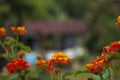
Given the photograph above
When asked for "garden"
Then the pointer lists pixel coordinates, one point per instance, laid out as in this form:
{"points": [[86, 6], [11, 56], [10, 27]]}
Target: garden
{"points": [[104, 67], [59, 40]]}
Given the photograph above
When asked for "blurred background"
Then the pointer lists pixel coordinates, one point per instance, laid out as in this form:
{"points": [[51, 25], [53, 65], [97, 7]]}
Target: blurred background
{"points": [[80, 28]]}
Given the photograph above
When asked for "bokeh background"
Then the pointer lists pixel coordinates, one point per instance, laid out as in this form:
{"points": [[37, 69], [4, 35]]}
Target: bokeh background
{"points": [[80, 28]]}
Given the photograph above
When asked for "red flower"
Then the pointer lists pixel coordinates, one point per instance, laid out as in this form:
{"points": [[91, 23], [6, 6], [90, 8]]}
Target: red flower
{"points": [[113, 48], [49, 65], [97, 65], [50, 68], [17, 64]]}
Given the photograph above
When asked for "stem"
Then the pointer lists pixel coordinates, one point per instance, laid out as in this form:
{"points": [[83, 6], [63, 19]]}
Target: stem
{"points": [[59, 76], [21, 77], [108, 71], [101, 77], [109, 74], [51, 77], [17, 40], [2, 45]]}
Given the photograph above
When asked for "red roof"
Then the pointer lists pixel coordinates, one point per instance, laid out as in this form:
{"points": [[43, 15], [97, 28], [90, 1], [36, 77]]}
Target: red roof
{"points": [[56, 27]]}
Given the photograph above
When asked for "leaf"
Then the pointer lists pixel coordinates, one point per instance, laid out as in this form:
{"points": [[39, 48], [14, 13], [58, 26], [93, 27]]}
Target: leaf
{"points": [[67, 74], [9, 41], [23, 47], [115, 56], [1, 55], [82, 70], [41, 67]]}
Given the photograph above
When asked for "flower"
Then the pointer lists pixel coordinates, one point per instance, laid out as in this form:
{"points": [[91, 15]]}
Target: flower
{"points": [[97, 65], [41, 62], [17, 64], [49, 66], [113, 48], [2, 31], [118, 22], [19, 30], [60, 58]]}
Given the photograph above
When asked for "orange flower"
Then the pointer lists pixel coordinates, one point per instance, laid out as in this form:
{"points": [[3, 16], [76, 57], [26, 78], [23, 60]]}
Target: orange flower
{"points": [[41, 62], [118, 22], [19, 30], [60, 58], [49, 66], [2, 31], [113, 48], [97, 65], [17, 64]]}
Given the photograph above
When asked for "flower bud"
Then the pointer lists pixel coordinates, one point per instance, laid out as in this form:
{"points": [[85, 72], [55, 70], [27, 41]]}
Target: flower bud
{"points": [[21, 53]]}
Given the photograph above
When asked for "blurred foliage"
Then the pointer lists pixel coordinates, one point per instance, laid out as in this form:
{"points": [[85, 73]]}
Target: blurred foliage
{"points": [[100, 14], [17, 11]]}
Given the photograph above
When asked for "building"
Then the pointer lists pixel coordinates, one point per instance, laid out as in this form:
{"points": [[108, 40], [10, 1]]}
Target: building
{"points": [[55, 35]]}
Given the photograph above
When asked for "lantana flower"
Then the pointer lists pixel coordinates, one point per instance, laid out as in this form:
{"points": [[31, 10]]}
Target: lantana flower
{"points": [[2, 31], [16, 65], [97, 65], [48, 63], [113, 48], [60, 58], [19, 30]]}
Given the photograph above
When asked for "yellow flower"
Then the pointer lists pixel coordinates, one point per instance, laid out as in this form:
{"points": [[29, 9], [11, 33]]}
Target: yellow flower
{"points": [[19, 30], [118, 22], [60, 58]]}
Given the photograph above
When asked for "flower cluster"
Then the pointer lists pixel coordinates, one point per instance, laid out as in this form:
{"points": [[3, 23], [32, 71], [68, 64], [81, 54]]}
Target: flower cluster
{"points": [[60, 58], [48, 63], [19, 30], [113, 48], [17, 64], [97, 65]]}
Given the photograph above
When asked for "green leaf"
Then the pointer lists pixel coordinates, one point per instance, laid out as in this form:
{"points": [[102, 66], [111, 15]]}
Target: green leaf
{"points": [[82, 70], [67, 75], [115, 56], [41, 67], [9, 41], [1, 56], [23, 47]]}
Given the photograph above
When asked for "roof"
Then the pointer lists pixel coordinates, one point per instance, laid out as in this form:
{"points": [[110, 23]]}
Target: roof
{"points": [[56, 27]]}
